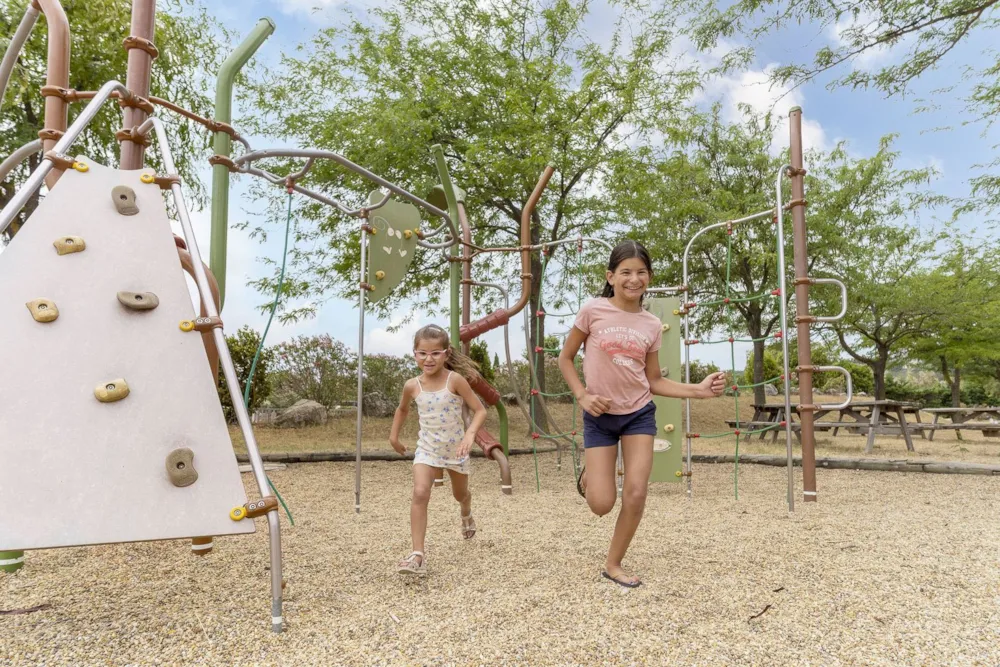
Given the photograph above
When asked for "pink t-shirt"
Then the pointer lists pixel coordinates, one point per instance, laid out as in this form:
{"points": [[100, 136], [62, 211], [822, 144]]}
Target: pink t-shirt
{"points": [[614, 359]]}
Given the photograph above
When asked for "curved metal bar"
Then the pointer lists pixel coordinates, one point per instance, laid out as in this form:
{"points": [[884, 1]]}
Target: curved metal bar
{"points": [[850, 387], [17, 41], [344, 162], [242, 415], [843, 298], [568, 239], [34, 181], [17, 157]]}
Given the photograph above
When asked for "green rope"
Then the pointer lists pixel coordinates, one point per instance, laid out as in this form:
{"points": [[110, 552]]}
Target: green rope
{"points": [[742, 299], [758, 384], [260, 347]]}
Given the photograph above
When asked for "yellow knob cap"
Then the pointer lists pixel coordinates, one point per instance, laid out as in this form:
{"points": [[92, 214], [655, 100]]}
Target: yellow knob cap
{"points": [[187, 325], [81, 167], [147, 178], [678, 474], [237, 513]]}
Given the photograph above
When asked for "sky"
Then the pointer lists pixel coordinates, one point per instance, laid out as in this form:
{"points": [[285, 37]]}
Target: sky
{"points": [[859, 117]]}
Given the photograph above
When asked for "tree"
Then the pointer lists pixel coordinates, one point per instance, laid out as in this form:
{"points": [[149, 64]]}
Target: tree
{"points": [[928, 31], [725, 173], [479, 352], [504, 88], [243, 346], [961, 332], [189, 41], [318, 368]]}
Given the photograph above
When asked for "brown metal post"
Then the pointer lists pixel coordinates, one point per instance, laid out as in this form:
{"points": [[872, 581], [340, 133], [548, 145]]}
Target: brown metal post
{"points": [[57, 74], [802, 319], [466, 271], [137, 76], [529, 208]]}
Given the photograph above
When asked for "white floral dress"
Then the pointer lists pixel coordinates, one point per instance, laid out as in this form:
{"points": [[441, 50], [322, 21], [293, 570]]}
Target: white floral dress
{"points": [[442, 428]]}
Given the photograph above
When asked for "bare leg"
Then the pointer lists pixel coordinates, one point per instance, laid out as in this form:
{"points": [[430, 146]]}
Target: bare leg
{"points": [[423, 478], [599, 478], [460, 489], [637, 451]]}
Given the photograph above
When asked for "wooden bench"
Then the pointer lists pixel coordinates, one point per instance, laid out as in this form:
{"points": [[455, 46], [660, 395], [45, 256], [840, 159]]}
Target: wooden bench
{"points": [[989, 429]]}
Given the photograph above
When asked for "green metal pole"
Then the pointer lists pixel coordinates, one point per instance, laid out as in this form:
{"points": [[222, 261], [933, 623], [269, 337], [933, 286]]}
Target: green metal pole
{"points": [[455, 273], [504, 430], [223, 146]]}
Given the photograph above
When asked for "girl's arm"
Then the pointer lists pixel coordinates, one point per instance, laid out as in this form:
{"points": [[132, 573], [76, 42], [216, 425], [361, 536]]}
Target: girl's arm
{"points": [[710, 387], [595, 405], [400, 417], [463, 389]]}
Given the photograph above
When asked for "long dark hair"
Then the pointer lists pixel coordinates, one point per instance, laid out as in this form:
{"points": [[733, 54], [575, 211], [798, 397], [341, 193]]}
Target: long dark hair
{"points": [[626, 250]]}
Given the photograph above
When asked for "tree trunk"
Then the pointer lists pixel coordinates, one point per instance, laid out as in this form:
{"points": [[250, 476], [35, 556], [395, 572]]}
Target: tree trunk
{"points": [[537, 331], [878, 369], [956, 388], [754, 326]]}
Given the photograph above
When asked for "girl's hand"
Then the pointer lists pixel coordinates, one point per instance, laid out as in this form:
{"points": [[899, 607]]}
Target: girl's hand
{"points": [[465, 446], [712, 386], [595, 405], [398, 446]]}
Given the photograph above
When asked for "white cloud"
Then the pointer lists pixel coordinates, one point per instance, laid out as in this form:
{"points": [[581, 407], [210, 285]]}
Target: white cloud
{"points": [[869, 59]]}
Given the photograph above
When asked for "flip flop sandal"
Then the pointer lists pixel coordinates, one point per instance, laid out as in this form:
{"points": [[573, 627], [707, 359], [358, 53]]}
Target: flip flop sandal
{"points": [[468, 526], [409, 564], [624, 584], [579, 486]]}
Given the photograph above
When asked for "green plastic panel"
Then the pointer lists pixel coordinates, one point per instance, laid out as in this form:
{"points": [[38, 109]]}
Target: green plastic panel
{"points": [[667, 446], [391, 247]]}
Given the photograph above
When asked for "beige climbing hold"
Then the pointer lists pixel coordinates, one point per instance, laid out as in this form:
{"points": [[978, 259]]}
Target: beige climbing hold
{"points": [[67, 245], [669, 428], [109, 392], [138, 300], [407, 233], [379, 275], [43, 310], [180, 467], [665, 328], [124, 199]]}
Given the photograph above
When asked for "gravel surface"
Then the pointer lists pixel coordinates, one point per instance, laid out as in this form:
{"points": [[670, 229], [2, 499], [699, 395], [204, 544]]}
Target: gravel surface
{"points": [[889, 568]]}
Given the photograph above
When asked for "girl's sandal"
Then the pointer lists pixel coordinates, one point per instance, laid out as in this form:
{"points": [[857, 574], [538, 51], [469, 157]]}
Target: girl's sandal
{"points": [[579, 483], [468, 527], [409, 565]]}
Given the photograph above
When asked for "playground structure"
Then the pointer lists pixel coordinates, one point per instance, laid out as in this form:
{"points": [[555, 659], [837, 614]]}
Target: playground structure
{"points": [[181, 480]]}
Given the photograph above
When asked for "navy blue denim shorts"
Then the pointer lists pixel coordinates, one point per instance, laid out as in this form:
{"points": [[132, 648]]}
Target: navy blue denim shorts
{"points": [[607, 430]]}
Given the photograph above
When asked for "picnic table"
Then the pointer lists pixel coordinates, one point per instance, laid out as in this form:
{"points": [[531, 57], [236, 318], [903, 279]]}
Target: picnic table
{"points": [[965, 419], [877, 417]]}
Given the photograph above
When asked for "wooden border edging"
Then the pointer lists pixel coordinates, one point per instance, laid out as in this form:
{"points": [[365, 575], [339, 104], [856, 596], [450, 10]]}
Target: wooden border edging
{"points": [[890, 465], [346, 457]]}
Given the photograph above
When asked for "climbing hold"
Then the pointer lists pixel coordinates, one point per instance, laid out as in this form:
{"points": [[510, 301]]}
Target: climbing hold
{"points": [[109, 392], [81, 167], [138, 300], [254, 509], [669, 428], [678, 474], [407, 233], [676, 312], [43, 310], [69, 244], [187, 325], [665, 328], [379, 275], [180, 467], [147, 178], [123, 198]]}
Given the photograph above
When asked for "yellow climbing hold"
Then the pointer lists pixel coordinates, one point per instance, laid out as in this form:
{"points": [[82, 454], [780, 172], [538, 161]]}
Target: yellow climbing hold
{"points": [[43, 310], [237, 513], [69, 244], [148, 178], [109, 392], [676, 312], [379, 275], [81, 167], [678, 474], [407, 233]]}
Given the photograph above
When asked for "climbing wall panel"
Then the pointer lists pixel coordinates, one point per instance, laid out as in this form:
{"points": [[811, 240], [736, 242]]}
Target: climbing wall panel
{"points": [[667, 445], [96, 402]]}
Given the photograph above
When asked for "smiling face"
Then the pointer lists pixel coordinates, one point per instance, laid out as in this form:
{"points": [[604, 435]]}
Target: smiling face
{"points": [[629, 279], [431, 354]]}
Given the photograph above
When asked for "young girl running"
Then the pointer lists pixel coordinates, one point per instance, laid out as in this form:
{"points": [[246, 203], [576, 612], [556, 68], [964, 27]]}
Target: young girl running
{"points": [[444, 441], [622, 372]]}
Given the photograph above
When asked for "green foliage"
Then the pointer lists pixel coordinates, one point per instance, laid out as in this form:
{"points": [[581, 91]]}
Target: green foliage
{"points": [[505, 88], [699, 371], [190, 43], [318, 368], [386, 374], [479, 353], [242, 346]]}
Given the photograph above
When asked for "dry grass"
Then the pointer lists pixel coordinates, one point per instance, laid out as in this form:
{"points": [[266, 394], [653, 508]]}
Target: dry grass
{"points": [[889, 569], [707, 417]]}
